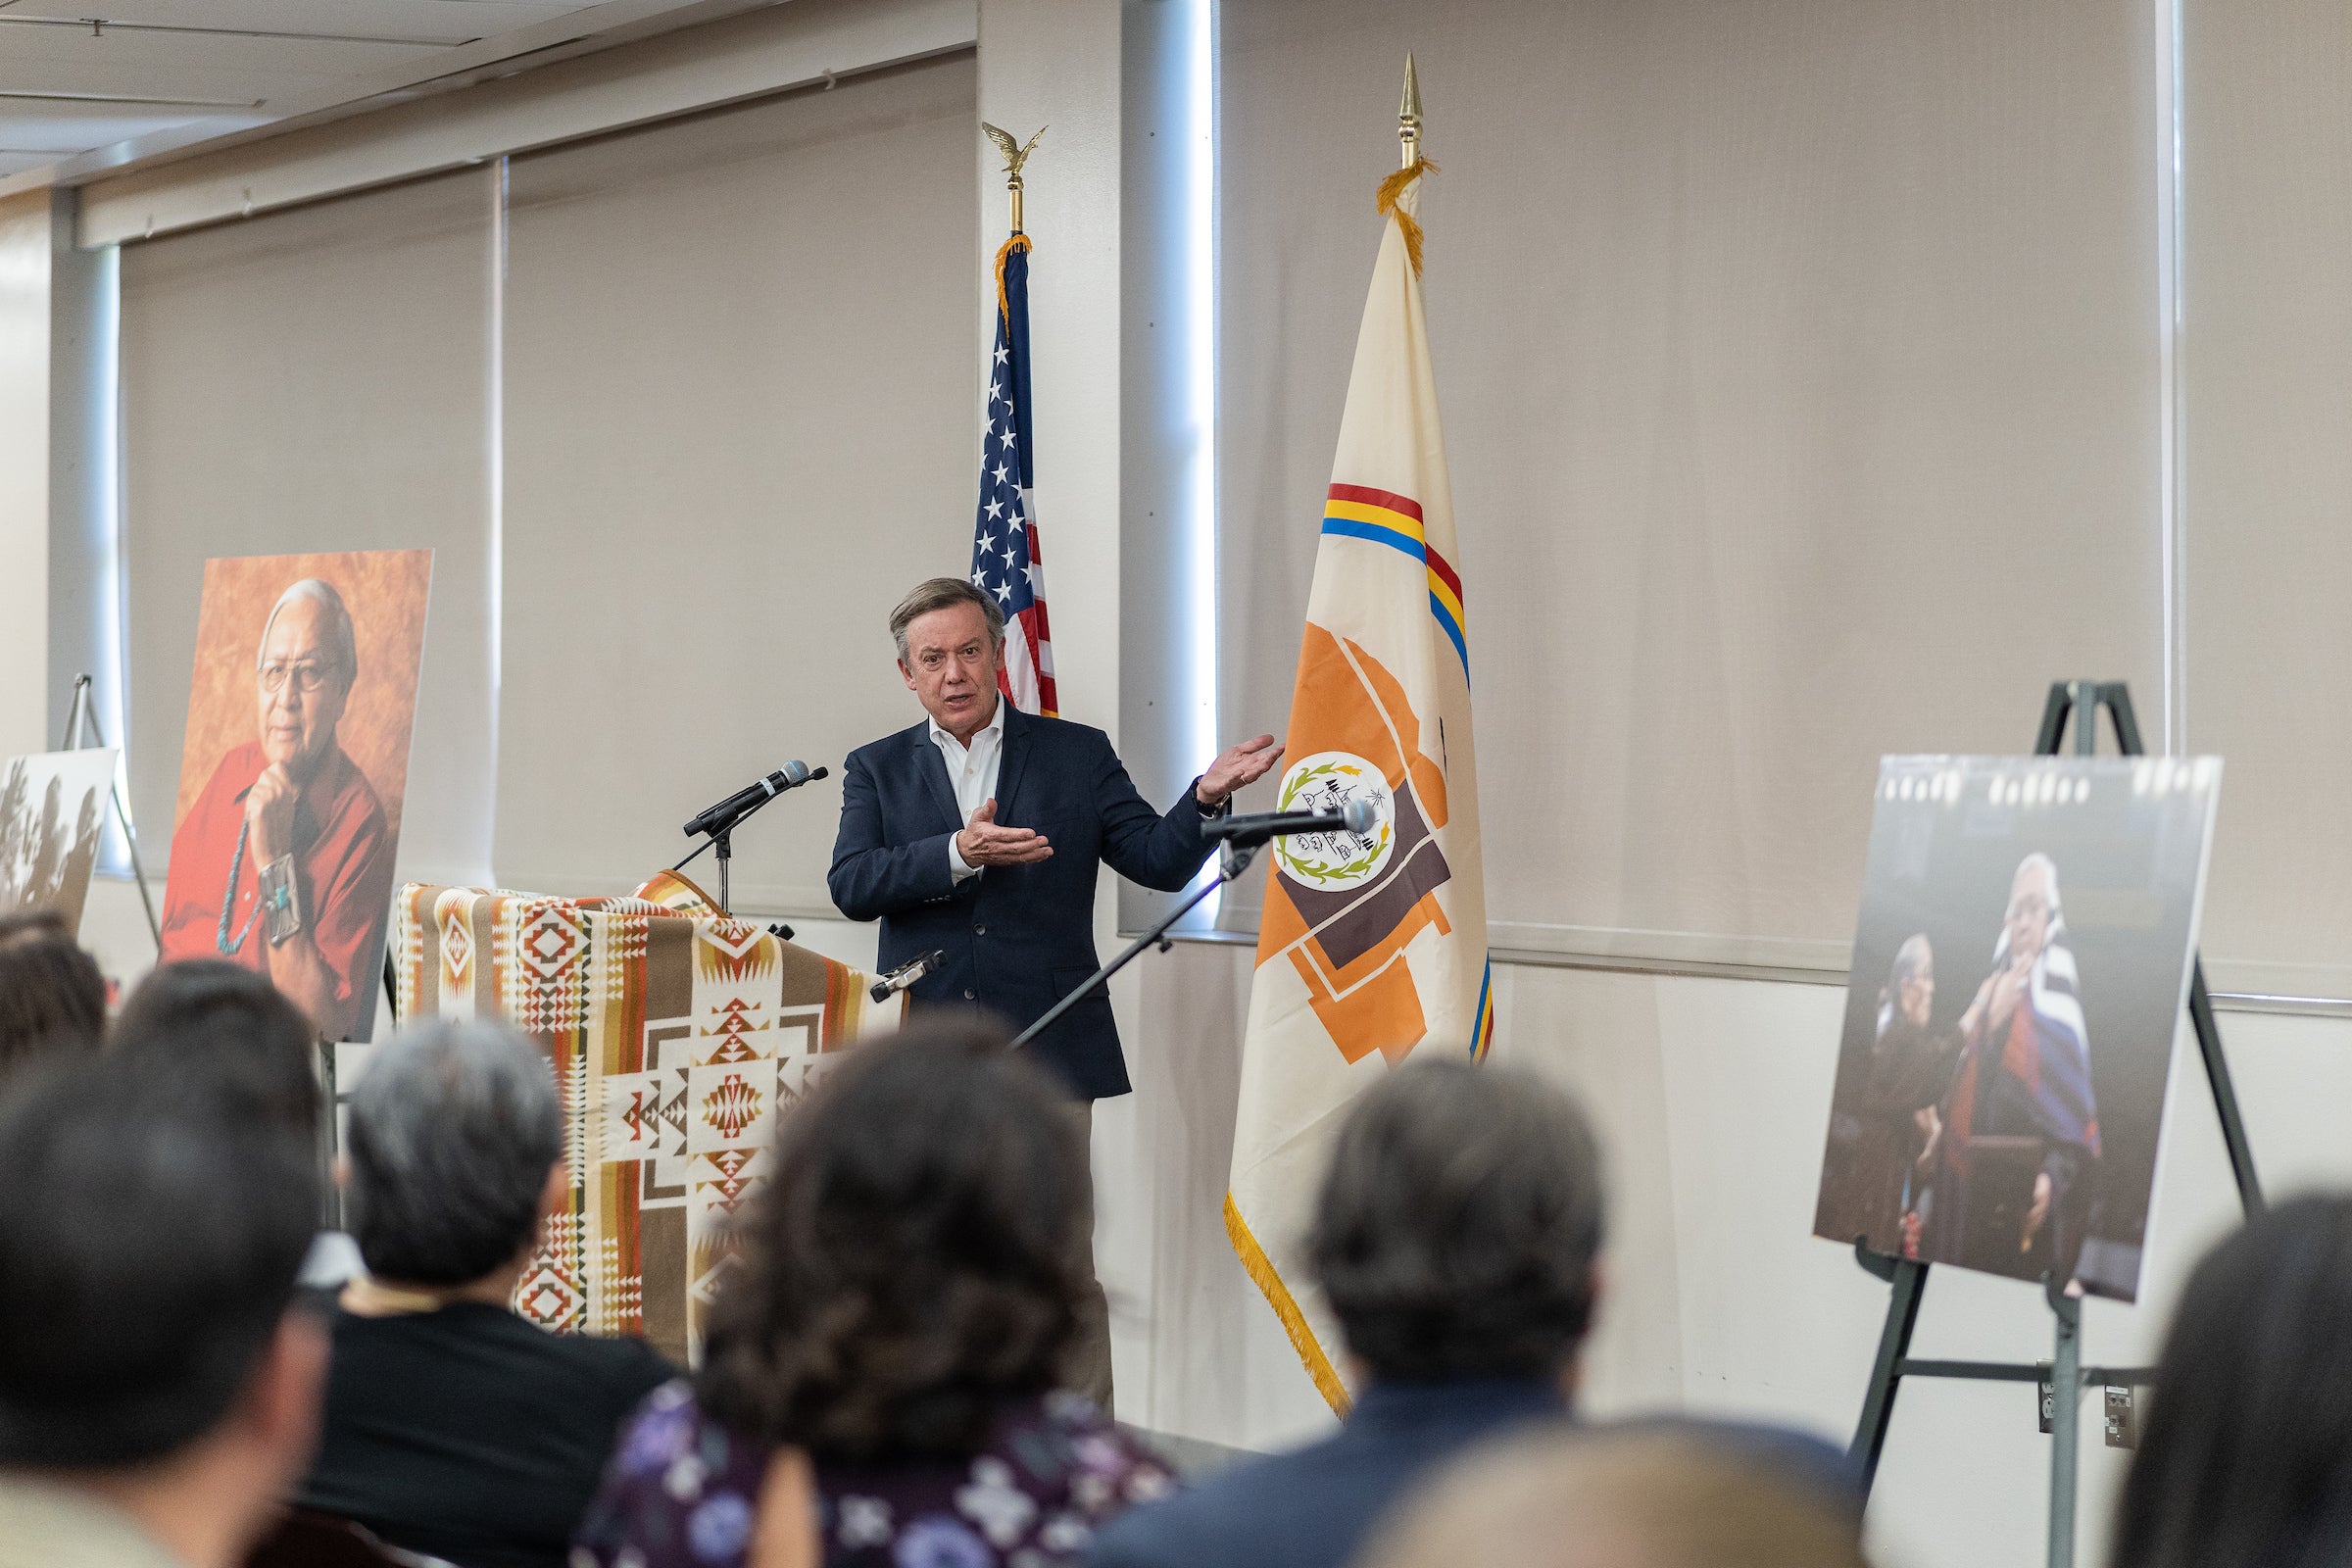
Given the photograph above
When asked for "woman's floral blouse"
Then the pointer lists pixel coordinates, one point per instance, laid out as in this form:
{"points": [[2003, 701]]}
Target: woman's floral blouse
{"points": [[680, 1491]]}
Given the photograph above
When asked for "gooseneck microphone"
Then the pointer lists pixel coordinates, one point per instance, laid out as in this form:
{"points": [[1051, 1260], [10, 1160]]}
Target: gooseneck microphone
{"points": [[727, 812], [1358, 816], [904, 975]]}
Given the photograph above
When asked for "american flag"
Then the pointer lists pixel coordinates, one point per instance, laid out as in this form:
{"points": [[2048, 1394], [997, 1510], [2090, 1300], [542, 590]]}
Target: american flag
{"points": [[1006, 560]]}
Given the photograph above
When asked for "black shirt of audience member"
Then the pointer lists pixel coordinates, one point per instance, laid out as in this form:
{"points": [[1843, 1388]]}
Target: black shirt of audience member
{"points": [[451, 1425], [469, 1434]]}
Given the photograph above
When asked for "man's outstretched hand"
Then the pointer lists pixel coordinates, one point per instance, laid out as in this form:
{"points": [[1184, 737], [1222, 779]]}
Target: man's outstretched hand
{"points": [[1235, 766], [983, 843]]}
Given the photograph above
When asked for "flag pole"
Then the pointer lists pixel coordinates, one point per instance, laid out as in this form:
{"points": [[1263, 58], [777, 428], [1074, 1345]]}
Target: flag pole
{"points": [[1408, 126]]}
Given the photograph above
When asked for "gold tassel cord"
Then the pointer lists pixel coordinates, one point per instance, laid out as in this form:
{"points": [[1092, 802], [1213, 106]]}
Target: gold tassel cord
{"points": [[1392, 188], [1021, 242], [1260, 1269]]}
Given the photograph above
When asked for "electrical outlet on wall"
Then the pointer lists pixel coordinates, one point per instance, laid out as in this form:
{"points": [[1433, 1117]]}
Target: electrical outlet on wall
{"points": [[2122, 1419]]}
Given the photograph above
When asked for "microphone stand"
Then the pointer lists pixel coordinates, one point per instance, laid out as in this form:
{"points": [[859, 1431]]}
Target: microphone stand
{"points": [[1232, 861], [722, 839]]}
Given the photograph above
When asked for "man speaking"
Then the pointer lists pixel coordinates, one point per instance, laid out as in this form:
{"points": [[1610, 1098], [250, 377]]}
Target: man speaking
{"points": [[977, 833]]}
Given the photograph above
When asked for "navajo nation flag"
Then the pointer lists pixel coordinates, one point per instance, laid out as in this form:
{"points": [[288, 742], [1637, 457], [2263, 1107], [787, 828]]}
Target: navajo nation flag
{"points": [[1371, 947], [1005, 559]]}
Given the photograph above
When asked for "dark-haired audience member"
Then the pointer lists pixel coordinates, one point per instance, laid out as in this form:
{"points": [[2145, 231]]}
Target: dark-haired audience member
{"points": [[1455, 1236], [52, 996], [453, 1425], [878, 1379], [1628, 1498], [230, 1025], [223, 1025], [2247, 1453], [159, 1388]]}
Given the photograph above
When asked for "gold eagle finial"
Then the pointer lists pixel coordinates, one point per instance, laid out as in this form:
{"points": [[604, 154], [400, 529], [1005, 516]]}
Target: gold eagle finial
{"points": [[1015, 153]]}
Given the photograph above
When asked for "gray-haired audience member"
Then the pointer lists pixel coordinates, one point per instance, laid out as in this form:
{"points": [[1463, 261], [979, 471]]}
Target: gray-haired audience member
{"points": [[159, 1388], [1645, 1498], [1455, 1238], [453, 1425]]}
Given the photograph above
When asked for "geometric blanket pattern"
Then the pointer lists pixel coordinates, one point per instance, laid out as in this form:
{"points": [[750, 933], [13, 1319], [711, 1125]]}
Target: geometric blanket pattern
{"points": [[677, 1038]]}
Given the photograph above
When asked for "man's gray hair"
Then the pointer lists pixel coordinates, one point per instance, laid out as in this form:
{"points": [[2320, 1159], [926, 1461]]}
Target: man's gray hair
{"points": [[943, 593], [1456, 1230], [342, 644], [453, 1127]]}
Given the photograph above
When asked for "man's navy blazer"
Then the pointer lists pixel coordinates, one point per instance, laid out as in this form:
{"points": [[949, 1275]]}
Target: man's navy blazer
{"points": [[1017, 938]]}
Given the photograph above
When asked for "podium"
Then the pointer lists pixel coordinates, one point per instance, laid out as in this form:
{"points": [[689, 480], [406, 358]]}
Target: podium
{"points": [[677, 1036]]}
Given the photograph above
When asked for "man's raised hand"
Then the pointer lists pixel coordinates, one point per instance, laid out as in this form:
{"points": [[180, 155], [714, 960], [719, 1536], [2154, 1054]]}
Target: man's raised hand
{"points": [[1236, 766], [983, 843]]}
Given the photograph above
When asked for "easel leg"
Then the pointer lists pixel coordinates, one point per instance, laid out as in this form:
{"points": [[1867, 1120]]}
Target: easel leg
{"points": [[1909, 1281], [2066, 1419], [329, 1140], [2225, 1092]]}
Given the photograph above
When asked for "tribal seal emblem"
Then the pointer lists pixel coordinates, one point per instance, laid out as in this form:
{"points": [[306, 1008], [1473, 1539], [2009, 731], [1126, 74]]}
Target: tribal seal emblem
{"points": [[1334, 861]]}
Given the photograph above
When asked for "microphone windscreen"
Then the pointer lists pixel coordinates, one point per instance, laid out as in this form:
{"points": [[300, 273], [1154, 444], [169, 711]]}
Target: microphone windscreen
{"points": [[817, 775], [796, 772], [1359, 814]]}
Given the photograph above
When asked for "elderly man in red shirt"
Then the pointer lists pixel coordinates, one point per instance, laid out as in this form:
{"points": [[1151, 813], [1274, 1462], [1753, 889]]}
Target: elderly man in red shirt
{"points": [[284, 863]]}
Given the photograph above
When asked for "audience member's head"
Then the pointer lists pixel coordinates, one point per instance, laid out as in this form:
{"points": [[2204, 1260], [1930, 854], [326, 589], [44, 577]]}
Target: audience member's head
{"points": [[1636, 1500], [2246, 1455], [909, 1268], [149, 1349], [229, 1026], [1458, 1225], [454, 1147], [52, 995]]}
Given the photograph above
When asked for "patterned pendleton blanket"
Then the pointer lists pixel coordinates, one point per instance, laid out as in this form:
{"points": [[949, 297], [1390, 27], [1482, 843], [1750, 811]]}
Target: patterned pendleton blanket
{"points": [[676, 1035]]}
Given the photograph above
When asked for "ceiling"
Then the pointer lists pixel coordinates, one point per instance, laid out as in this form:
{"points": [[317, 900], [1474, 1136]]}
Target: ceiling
{"points": [[78, 77]]}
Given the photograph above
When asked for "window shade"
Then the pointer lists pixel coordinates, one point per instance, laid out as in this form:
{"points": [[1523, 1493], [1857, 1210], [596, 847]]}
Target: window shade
{"points": [[1798, 363], [740, 397], [2266, 480], [317, 381]]}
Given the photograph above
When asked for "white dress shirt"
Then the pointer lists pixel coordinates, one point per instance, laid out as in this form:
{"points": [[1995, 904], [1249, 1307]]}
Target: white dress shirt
{"points": [[973, 775]]}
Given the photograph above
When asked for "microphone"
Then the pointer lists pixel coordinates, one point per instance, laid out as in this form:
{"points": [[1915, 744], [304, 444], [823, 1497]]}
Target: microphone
{"points": [[904, 975], [1357, 816], [736, 807]]}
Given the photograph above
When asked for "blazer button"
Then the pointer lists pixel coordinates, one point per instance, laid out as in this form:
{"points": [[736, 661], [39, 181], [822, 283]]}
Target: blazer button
{"points": [[969, 995], [979, 930]]}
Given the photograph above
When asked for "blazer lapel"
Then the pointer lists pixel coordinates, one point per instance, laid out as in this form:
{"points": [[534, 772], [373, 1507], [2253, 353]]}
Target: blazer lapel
{"points": [[1017, 734], [932, 768]]}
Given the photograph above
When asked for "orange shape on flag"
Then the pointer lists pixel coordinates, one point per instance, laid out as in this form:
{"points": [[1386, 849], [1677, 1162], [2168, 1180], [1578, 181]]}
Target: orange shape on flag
{"points": [[1348, 948]]}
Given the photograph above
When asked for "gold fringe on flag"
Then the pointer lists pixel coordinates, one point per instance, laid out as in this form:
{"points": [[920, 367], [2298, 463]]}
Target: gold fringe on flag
{"points": [[1294, 1322], [1391, 189], [1020, 242]]}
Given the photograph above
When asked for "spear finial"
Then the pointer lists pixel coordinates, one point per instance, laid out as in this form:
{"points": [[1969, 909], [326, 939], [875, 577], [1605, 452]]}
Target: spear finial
{"points": [[1408, 117]]}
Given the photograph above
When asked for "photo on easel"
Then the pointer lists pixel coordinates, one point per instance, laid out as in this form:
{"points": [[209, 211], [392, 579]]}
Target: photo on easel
{"points": [[2020, 970], [293, 773], [52, 815]]}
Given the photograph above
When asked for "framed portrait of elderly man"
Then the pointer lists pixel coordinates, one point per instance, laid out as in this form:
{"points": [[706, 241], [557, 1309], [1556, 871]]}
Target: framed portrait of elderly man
{"points": [[2020, 970], [293, 771]]}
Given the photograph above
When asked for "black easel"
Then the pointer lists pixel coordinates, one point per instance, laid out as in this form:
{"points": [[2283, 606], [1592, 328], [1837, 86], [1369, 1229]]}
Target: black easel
{"points": [[82, 717], [1232, 861], [2064, 1377]]}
